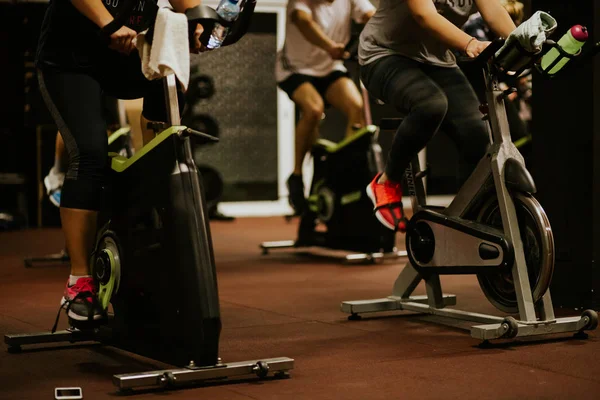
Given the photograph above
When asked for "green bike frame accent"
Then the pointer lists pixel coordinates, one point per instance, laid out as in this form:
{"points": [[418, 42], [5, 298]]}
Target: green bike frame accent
{"points": [[332, 147], [105, 291], [522, 142], [120, 163], [350, 198], [313, 199], [118, 133]]}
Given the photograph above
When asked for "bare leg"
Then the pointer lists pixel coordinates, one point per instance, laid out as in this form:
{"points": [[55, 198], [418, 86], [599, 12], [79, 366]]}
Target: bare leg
{"points": [[79, 227], [344, 95], [383, 178], [311, 106], [60, 155]]}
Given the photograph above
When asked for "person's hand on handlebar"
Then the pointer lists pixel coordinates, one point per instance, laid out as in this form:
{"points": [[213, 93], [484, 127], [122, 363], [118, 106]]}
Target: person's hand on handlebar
{"points": [[123, 40], [195, 46], [337, 51], [475, 47]]}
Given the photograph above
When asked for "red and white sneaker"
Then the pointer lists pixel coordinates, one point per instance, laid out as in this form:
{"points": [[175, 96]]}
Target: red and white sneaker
{"points": [[82, 300], [387, 200]]}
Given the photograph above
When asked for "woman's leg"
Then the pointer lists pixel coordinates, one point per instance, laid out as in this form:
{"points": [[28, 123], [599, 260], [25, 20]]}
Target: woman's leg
{"points": [[401, 82], [74, 100], [463, 122], [345, 96]]}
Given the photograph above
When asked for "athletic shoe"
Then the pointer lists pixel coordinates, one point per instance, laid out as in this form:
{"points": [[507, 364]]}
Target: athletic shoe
{"points": [[387, 202], [296, 194], [55, 197], [54, 183], [81, 302]]}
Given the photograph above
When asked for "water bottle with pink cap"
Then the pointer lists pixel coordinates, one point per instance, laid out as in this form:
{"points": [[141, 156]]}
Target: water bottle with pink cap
{"points": [[571, 42]]}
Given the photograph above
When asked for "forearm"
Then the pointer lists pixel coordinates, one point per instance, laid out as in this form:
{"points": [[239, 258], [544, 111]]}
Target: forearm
{"points": [[444, 30], [182, 5], [496, 17], [314, 34], [94, 10]]}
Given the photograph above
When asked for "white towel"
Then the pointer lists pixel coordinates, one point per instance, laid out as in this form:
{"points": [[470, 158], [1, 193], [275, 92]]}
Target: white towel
{"points": [[169, 52], [532, 33]]}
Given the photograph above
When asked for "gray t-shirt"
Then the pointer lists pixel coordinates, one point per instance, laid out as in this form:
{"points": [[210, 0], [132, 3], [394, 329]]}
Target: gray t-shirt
{"points": [[393, 30]]}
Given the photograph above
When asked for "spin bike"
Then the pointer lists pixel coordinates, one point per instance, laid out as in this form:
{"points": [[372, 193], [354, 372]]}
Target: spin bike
{"points": [[154, 259], [493, 228], [340, 215]]}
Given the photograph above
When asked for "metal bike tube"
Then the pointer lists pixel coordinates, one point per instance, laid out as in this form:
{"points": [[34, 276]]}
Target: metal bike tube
{"points": [[501, 132], [171, 100]]}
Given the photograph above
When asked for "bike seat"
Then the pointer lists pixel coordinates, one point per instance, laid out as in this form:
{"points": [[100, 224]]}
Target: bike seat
{"points": [[333, 147]]}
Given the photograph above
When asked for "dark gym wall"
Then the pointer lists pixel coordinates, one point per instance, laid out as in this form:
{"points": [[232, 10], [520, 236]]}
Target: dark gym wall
{"points": [[11, 85], [22, 110], [566, 150], [244, 106]]}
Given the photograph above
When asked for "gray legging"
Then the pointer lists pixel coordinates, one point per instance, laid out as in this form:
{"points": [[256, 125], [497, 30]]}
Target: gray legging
{"points": [[431, 97]]}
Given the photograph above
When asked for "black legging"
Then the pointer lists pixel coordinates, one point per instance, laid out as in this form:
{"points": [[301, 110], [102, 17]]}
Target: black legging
{"points": [[430, 97], [74, 98]]}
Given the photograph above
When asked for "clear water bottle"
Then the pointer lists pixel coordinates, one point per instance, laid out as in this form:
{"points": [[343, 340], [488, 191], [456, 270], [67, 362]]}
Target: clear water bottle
{"points": [[229, 11], [571, 42]]}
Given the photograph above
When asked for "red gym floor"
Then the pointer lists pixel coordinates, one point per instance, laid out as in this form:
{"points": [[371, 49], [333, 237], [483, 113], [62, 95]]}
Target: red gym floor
{"points": [[284, 305]]}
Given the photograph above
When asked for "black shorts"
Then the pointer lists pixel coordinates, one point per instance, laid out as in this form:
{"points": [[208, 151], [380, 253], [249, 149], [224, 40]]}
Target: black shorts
{"points": [[321, 83]]}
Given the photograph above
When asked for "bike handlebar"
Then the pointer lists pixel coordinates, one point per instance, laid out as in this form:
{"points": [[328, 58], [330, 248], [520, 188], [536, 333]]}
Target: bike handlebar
{"points": [[242, 24], [485, 55], [513, 60], [202, 14]]}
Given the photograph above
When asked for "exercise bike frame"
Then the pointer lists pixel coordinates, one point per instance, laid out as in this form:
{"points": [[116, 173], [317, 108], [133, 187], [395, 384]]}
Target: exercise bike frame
{"points": [[502, 170], [201, 307]]}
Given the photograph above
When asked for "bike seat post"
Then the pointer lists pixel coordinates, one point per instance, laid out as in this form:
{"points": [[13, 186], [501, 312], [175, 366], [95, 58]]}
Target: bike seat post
{"points": [[170, 85], [415, 183], [509, 61], [496, 109]]}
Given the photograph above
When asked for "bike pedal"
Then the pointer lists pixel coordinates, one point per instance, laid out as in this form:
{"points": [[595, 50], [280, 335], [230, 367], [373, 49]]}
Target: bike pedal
{"points": [[422, 174]]}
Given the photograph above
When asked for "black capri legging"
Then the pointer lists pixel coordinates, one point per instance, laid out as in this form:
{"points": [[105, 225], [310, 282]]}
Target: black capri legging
{"points": [[74, 98], [432, 97]]}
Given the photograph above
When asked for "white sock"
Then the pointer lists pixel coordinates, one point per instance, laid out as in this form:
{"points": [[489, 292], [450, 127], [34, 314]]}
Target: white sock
{"points": [[73, 278]]}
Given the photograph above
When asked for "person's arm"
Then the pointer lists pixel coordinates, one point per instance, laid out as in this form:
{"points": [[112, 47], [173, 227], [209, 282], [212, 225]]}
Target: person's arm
{"points": [[182, 5], [496, 16], [315, 35], [426, 15], [94, 10], [362, 11], [367, 16]]}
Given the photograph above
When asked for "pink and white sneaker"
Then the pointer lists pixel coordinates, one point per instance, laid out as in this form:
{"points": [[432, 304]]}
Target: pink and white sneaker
{"points": [[81, 300]]}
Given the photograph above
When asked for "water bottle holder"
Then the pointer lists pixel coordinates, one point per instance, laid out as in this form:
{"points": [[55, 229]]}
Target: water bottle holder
{"points": [[525, 60], [562, 54]]}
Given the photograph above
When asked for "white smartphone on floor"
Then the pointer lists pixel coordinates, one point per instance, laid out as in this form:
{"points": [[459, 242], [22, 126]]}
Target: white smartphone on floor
{"points": [[68, 393]]}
